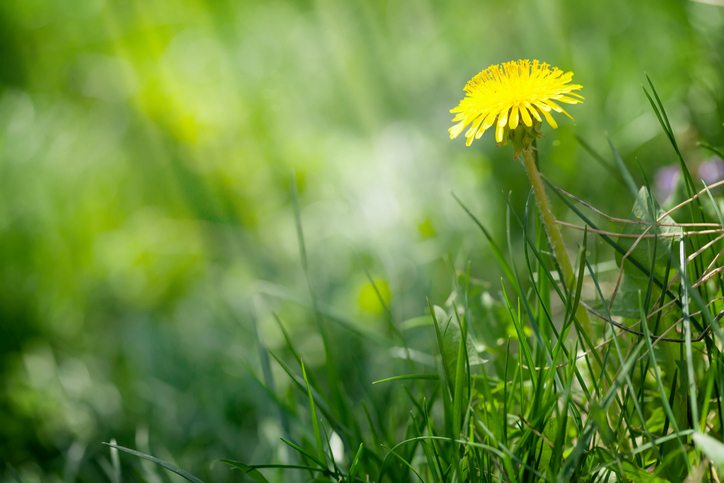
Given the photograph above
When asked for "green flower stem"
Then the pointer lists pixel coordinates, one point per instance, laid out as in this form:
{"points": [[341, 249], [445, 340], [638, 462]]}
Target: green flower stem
{"points": [[554, 235]]}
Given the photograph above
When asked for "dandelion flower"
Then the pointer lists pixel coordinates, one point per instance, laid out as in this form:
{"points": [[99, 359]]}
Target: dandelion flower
{"points": [[514, 97]]}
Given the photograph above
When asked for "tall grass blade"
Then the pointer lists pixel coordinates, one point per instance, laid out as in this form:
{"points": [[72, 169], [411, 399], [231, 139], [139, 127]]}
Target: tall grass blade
{"points": [[173, 469], [573, 460], [499, 257], [315, 421], [687, 335], [322, 466], [355, 463], [116, 462]]}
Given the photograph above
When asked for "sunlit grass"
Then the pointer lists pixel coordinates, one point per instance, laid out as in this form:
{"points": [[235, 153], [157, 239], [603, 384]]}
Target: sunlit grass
{"points": [[150, 268], [547, 403]]}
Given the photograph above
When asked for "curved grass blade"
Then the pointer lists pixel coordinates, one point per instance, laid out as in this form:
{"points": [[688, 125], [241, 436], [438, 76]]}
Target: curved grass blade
{"points": [[624, 170], [249, 470], [173, 469], [322, 466], [405, 462], [315, 421], [711, 148], [640, 449], [440, 346], [355, 463], [658, 107], [712, 448], [410, 376]]}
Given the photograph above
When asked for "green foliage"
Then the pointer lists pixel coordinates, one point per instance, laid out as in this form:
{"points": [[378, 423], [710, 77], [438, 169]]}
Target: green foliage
{"points": [[639, 248], [161, 276]]}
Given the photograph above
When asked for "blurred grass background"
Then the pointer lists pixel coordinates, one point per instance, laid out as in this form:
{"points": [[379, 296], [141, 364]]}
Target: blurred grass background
{"points": [[146, 222]]}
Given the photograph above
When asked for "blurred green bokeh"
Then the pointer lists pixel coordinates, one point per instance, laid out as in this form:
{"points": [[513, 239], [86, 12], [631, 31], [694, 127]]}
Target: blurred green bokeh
{"points": [[146, 220]]}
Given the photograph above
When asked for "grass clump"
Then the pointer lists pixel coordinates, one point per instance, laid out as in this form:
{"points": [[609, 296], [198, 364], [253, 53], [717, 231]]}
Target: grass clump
{"points": [[506, 383]]}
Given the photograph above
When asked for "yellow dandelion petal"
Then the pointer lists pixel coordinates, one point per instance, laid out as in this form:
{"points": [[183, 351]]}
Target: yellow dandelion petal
{"points": [[513, 123], [526, 116], [456, 130], [535, 113], [550, 120], [474, 127], [503, 120], [553, 105], [514, 94], [499, 130], [568, 115], [490, 120], [567, 100]]}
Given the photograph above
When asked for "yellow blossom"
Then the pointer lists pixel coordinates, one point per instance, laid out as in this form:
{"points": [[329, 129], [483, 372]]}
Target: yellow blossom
{"points": [[513, 97]]}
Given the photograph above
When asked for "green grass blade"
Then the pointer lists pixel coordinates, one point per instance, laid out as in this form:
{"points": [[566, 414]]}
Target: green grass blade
{"points": [[687, 334], [644, 270], [441, 347], [322, 466], [15, 474], [287, 338], [405, 462], [571, 463], [711, 148], [331, 452], [460, 380], [173, 469], [315, 421], [434, 377], [459, 401], [388, 313], [507, 271], [630, 183], [280, 467], [662, 392], [319, 400], [328, 312], [658, 107], [601, 160], [249, 470], [355, 463], [526, 305], [522, 339], [331, 367], [712, 448], [116, 463], [715, 205]]}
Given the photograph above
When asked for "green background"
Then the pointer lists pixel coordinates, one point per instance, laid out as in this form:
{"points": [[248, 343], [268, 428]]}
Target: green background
{"points": [[146, 216]]}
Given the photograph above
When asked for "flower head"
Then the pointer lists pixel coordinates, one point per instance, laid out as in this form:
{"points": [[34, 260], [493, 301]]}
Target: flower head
{"points": [[513, 97]]}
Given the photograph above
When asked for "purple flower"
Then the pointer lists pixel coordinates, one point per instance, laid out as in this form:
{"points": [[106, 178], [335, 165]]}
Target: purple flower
{"points": [[665, 181], [711, 170]]}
